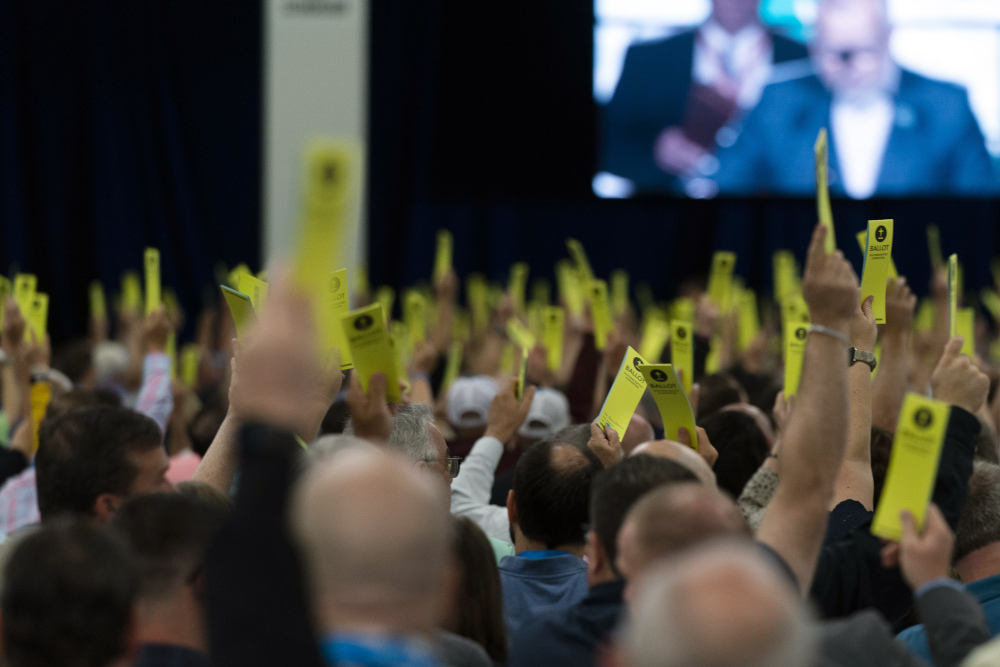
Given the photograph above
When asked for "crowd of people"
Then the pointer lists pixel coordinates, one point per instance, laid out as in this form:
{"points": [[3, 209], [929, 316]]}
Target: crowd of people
{"points": [[276, 511]]}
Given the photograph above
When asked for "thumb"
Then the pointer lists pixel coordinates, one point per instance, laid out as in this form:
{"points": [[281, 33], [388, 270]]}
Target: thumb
{"points": [[596, 433], [683, 436], [866, 307], [909, 524], [377, 385], [527, 398], [952, 348]]}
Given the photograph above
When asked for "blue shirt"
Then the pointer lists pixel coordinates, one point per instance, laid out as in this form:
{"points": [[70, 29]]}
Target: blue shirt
{"points": [[539, 581], [376, 651], [166, 655], [569, 636], [987, 591]]}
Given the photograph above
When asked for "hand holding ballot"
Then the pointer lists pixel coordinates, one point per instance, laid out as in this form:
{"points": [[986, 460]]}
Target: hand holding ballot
{"points": [[925, 555], [957, 381], [370, 412], [605, 444], [507, 413], [829, 285]]}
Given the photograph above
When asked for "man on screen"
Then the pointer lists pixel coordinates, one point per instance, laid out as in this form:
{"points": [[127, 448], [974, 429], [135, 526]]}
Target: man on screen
{"points": [[675, 94], [893, 132]]}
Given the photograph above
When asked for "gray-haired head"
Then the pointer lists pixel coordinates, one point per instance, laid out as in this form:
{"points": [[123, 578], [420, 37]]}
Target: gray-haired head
{"points": [[327, 446], [979, 525], [720, 605], [410, 434]]}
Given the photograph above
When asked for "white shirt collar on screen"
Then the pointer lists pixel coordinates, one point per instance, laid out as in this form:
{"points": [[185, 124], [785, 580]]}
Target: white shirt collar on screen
{"points": [[861, 131], [745, 57]]}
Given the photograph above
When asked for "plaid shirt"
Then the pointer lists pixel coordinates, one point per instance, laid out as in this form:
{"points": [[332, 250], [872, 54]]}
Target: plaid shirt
{"points": [[19, 502]]}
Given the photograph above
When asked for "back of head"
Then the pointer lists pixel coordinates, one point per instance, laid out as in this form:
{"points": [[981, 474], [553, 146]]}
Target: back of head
{"points": [[169, 534], [979, 524], [68, 598], [84, 453], [717, 391], [548, 415], [720, 605], [575, 434], [741, 445], [376, 536], [469, 401], [76, 361], [410, 435], [478, 612], [552, 491], [616, 489]]}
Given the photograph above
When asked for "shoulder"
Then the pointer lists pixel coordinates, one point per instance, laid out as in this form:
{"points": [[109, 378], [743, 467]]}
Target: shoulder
{"points": [[668, 48], [943, 97], [786, 48], [457, 650]]}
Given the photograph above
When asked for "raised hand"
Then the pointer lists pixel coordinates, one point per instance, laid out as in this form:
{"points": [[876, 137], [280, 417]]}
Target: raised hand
{"points": [[829, 285], [957, 381]]}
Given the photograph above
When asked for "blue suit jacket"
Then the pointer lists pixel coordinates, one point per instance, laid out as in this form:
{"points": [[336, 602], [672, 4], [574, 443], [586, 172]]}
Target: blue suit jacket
{"points": [[936, 147], [651, 95]]}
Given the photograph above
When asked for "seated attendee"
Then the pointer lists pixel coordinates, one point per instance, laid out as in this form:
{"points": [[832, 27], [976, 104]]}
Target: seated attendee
{"points": [[478, 609], [549, 413], [741, 445], [547, 509], [69, 599], [571, 636], [977, 552], [682, 454], [169, 535]]}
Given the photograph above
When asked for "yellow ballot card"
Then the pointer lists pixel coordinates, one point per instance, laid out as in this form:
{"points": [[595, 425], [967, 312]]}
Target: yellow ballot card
{"points": [[662, 382], [241, 309], [952, 295], [913, 464], [682, 351], [862, 237], [619, 291], [385, 296], [553, 324], [233, 277], [786, 275], [655, 334], [517, 286], [6, 290], [934, 247], [600, 310], [415, 316], [520, 334], [965, 322], [255, 288], [683, 308], [151, 263], [748, 319], [190, 363], [37, 316], [443, 254], [401, 344], [24, 291], [453, 365], [541, 292], [522, 375], [371, 348], [878, 257], [41, 394], [579, 256], [822, 149], [331, 311], [991, 300], [131, 291], [720, 280], [98, 303], [795, 348], [476, 290], [570, 292], [625, 394]]}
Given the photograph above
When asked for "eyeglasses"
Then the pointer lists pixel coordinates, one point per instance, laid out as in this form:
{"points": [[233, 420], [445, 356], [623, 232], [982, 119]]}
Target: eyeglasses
{"points": [[451, 464]]}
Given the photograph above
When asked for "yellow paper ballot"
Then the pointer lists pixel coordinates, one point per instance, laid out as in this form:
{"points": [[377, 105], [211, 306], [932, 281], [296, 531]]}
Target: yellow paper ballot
{"points": [[795, 348], [443, 254], [517, 286], [625, 394], [330, 312], [476, 289], [786, 275], [541, 292], [600, 311], [748, 319], [579, 256], [822, 149], [619, 292], [233, 277], [554, 320], [401, 344], [255, 288], [38, 316], [952, 295], [570, 292], [875, 273], [991, 300], [415, 316], [131, 292], [965, 322], [151, 263], [371, 348], [934, 247], [683, 309], [98, 304], [862, 241], [672, 402], [360, 285], [453, 365], [24, 291], [655, 334], [522, 375], [720, 280], [386, 297], [190, 363], [926, 315], [6, 290], [682, 352], [794, 309], [41, 394], [913, 464], [241, 308], [520, 334], [507, 359]]}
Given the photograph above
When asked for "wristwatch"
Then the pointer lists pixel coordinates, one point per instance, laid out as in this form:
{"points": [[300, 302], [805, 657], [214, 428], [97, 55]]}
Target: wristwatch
{"points": [[855, 355]]}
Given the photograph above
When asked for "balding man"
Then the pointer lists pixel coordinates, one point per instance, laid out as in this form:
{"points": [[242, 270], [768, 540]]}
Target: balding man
{"points": [[682, 454], [893, 132]]}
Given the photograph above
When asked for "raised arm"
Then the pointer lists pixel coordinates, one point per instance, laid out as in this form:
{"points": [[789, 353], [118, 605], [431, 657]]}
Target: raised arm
{"points": [[156, 398], [813, 445], [889, 385]]}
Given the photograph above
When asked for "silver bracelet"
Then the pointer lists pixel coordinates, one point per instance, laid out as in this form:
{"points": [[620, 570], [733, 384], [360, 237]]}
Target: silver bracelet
{"points": [[839, 335]]}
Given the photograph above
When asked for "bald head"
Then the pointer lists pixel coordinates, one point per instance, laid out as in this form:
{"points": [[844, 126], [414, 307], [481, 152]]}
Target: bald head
{"points": [[672, 519], [362, 517], [675, 451], [719, 605], [639, 430]]}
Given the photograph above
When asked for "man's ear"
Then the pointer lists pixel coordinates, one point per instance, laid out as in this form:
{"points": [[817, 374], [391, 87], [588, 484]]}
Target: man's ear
{"points": [[105, 507], [597, 557], [511, 508]]}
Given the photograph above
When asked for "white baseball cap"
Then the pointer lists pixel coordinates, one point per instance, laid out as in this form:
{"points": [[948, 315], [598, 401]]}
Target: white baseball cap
{"points": [[549, 413], [469, 401]]}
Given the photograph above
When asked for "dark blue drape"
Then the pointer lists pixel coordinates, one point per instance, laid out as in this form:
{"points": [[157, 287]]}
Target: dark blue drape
{"points": [[125, 124]]}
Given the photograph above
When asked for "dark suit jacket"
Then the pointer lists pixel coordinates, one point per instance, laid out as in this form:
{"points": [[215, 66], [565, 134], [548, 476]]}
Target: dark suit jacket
{"points": [[936, 147], [652, 95], [864, 639]]}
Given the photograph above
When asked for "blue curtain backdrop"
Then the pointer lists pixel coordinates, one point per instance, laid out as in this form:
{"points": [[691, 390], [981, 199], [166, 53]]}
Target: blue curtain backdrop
{"points": [[125, 124]]}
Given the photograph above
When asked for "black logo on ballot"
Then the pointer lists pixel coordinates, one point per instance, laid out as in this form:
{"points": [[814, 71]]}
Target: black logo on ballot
{"points": [[881, 233], [658, 375], [923, 418], [681, 333], [334, 284], [364, 322], [801, 333], [637, 362]]}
